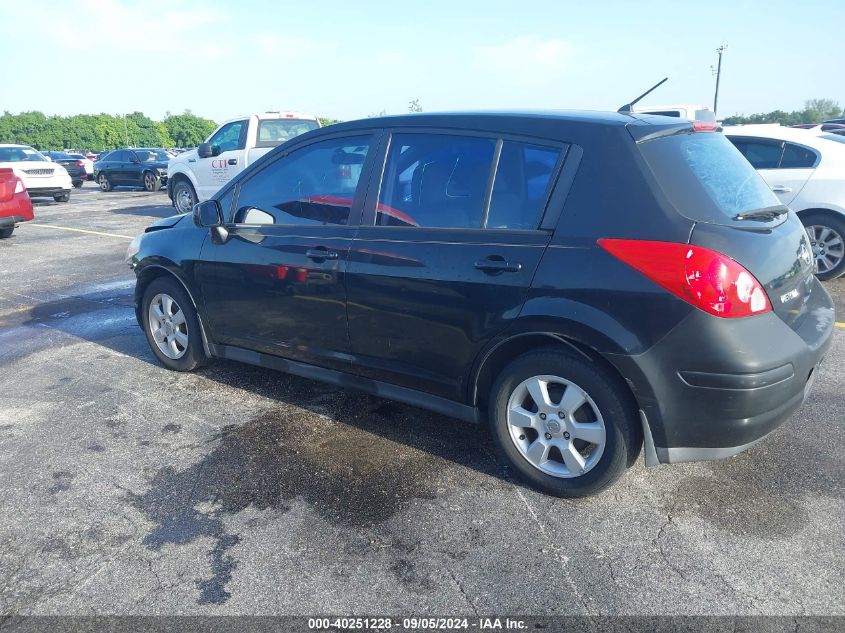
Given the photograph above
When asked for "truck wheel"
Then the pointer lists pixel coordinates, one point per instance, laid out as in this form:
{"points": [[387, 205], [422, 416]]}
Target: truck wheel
{"points": [[563, 423], [151, 181], [104, 182], [827, 237], [4, 233], [62, 197], [184, 197]]}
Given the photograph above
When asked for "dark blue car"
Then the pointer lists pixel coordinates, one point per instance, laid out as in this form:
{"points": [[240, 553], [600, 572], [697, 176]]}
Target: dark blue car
{"points": [[133, 167]]}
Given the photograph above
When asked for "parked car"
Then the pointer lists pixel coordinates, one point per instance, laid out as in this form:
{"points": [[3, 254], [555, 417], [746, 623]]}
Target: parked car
{"points": [[819, 128], [478, 265], [197, 174], [132, 167], [87, 163], [702, 115], [807, 172], [41, 177], [74, 166], [15, 203], [840, 121]]}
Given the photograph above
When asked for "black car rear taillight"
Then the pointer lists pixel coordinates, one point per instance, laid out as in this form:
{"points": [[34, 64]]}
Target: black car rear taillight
{"points": [[707, 279]]}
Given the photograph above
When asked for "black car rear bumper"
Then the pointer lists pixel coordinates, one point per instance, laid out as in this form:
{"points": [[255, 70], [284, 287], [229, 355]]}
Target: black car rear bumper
{"points": [[714, 387]]}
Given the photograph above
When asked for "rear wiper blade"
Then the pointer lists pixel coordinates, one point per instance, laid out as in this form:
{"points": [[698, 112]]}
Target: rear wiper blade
{"points": [[761, 214]]}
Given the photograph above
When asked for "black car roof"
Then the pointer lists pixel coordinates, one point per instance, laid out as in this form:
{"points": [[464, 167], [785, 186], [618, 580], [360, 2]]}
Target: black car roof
{"points": [[551, 124]]}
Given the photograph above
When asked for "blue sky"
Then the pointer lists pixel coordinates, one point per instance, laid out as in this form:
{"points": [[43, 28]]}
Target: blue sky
{"points": [[347, 59]]}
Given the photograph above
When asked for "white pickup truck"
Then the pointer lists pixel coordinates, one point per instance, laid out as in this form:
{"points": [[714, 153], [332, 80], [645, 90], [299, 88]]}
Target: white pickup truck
{"points": [[198, 174]]}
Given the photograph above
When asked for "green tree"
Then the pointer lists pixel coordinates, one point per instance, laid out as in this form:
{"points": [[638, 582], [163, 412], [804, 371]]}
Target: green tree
{"points": [[815, 111], [414, 106], [187, 129], [324, 121]]}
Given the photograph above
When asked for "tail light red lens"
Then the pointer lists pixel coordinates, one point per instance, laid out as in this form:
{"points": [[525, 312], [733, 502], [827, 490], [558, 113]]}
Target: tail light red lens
{"points": [[705, 126], [707, 279], [79, 163]]}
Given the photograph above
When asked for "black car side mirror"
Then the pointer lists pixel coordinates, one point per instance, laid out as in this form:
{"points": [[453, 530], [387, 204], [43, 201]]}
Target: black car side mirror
{"points": [[207, 214], [204, 150]]}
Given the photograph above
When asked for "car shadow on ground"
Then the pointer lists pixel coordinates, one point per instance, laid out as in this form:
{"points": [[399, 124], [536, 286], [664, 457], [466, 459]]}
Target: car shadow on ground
{"points": [[158, 211]]}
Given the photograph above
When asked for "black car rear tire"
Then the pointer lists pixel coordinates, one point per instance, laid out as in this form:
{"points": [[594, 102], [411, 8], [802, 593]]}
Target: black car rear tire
{"points": [[7, 232], [77, 184], [827, 237], [151, 181], [605, 405], [62, 197], [187, 357], [105, 182]]}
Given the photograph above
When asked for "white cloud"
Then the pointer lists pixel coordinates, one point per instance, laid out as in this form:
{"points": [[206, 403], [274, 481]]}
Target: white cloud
{"points": [[525, 55]]}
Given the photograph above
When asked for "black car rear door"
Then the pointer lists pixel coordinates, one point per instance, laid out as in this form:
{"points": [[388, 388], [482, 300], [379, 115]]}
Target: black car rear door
{"points": [[446, 252]]}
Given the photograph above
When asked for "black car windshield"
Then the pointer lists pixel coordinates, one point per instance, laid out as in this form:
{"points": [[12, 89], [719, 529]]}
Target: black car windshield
{"points": [[152, 155], [19, 154], [705, 177]]}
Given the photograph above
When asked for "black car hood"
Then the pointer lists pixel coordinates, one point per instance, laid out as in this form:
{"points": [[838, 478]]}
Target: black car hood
{"points": [[164, 223]]}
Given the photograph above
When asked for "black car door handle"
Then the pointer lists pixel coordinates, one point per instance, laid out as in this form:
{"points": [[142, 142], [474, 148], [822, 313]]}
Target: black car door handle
{"points": [[233, 161], [498, 266], [320, 254]]}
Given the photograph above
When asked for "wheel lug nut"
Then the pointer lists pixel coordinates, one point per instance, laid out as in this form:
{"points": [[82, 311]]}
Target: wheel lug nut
{"points": [[561, 414], [542, 416], [566, 435], [548, 436], [522, 437]]}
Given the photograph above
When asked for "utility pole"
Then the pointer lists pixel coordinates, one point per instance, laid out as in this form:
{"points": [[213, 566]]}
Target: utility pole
{"points": [[718, 73]]}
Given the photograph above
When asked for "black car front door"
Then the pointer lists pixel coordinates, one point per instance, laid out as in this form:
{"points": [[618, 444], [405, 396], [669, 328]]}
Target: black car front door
{"points": [[445, 255], [277, 285]]}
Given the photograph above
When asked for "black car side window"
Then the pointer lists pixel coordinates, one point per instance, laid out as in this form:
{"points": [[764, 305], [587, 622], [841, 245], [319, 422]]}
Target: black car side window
{"points": [[522, 185], [435, 180], [313, 185]]}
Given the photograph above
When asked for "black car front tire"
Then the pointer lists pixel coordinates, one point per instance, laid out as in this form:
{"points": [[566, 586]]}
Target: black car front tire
{"points": [[606, 411], [62, 197], [151, 181], [105, 183], [186, 357]]}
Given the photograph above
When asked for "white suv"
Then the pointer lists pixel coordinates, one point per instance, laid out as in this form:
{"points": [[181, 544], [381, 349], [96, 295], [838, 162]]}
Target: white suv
{"points": [[41, 176], [807, 172]]}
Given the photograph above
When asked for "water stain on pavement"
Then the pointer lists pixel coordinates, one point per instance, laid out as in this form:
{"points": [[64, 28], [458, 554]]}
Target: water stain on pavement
{"points": [[61, 481], [354, 473]]}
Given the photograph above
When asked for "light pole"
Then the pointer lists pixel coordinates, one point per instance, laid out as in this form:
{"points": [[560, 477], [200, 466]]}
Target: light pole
{"points": [[718, 71]]}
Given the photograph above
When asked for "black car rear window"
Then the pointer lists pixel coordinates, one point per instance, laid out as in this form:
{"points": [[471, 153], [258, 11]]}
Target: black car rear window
{"points": [[705, 177]]}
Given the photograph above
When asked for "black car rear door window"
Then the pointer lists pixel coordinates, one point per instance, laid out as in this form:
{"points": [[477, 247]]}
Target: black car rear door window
{"points": [[435, 180], [312, 186], [521, 185]]}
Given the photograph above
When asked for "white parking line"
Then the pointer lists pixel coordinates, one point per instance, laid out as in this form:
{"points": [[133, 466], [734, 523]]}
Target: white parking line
{"points": [[67, 228]]}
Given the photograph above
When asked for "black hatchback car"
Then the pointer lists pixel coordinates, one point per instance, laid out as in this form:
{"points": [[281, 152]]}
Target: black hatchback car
{"points": [[135, 167], [584, 283]]}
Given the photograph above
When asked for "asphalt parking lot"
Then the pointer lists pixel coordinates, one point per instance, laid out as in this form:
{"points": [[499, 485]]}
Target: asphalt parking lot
{"points": [[129, 489]]}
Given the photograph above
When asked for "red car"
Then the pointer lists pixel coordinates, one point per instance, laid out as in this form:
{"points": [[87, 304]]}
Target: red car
{"points": [[15, 205]]}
